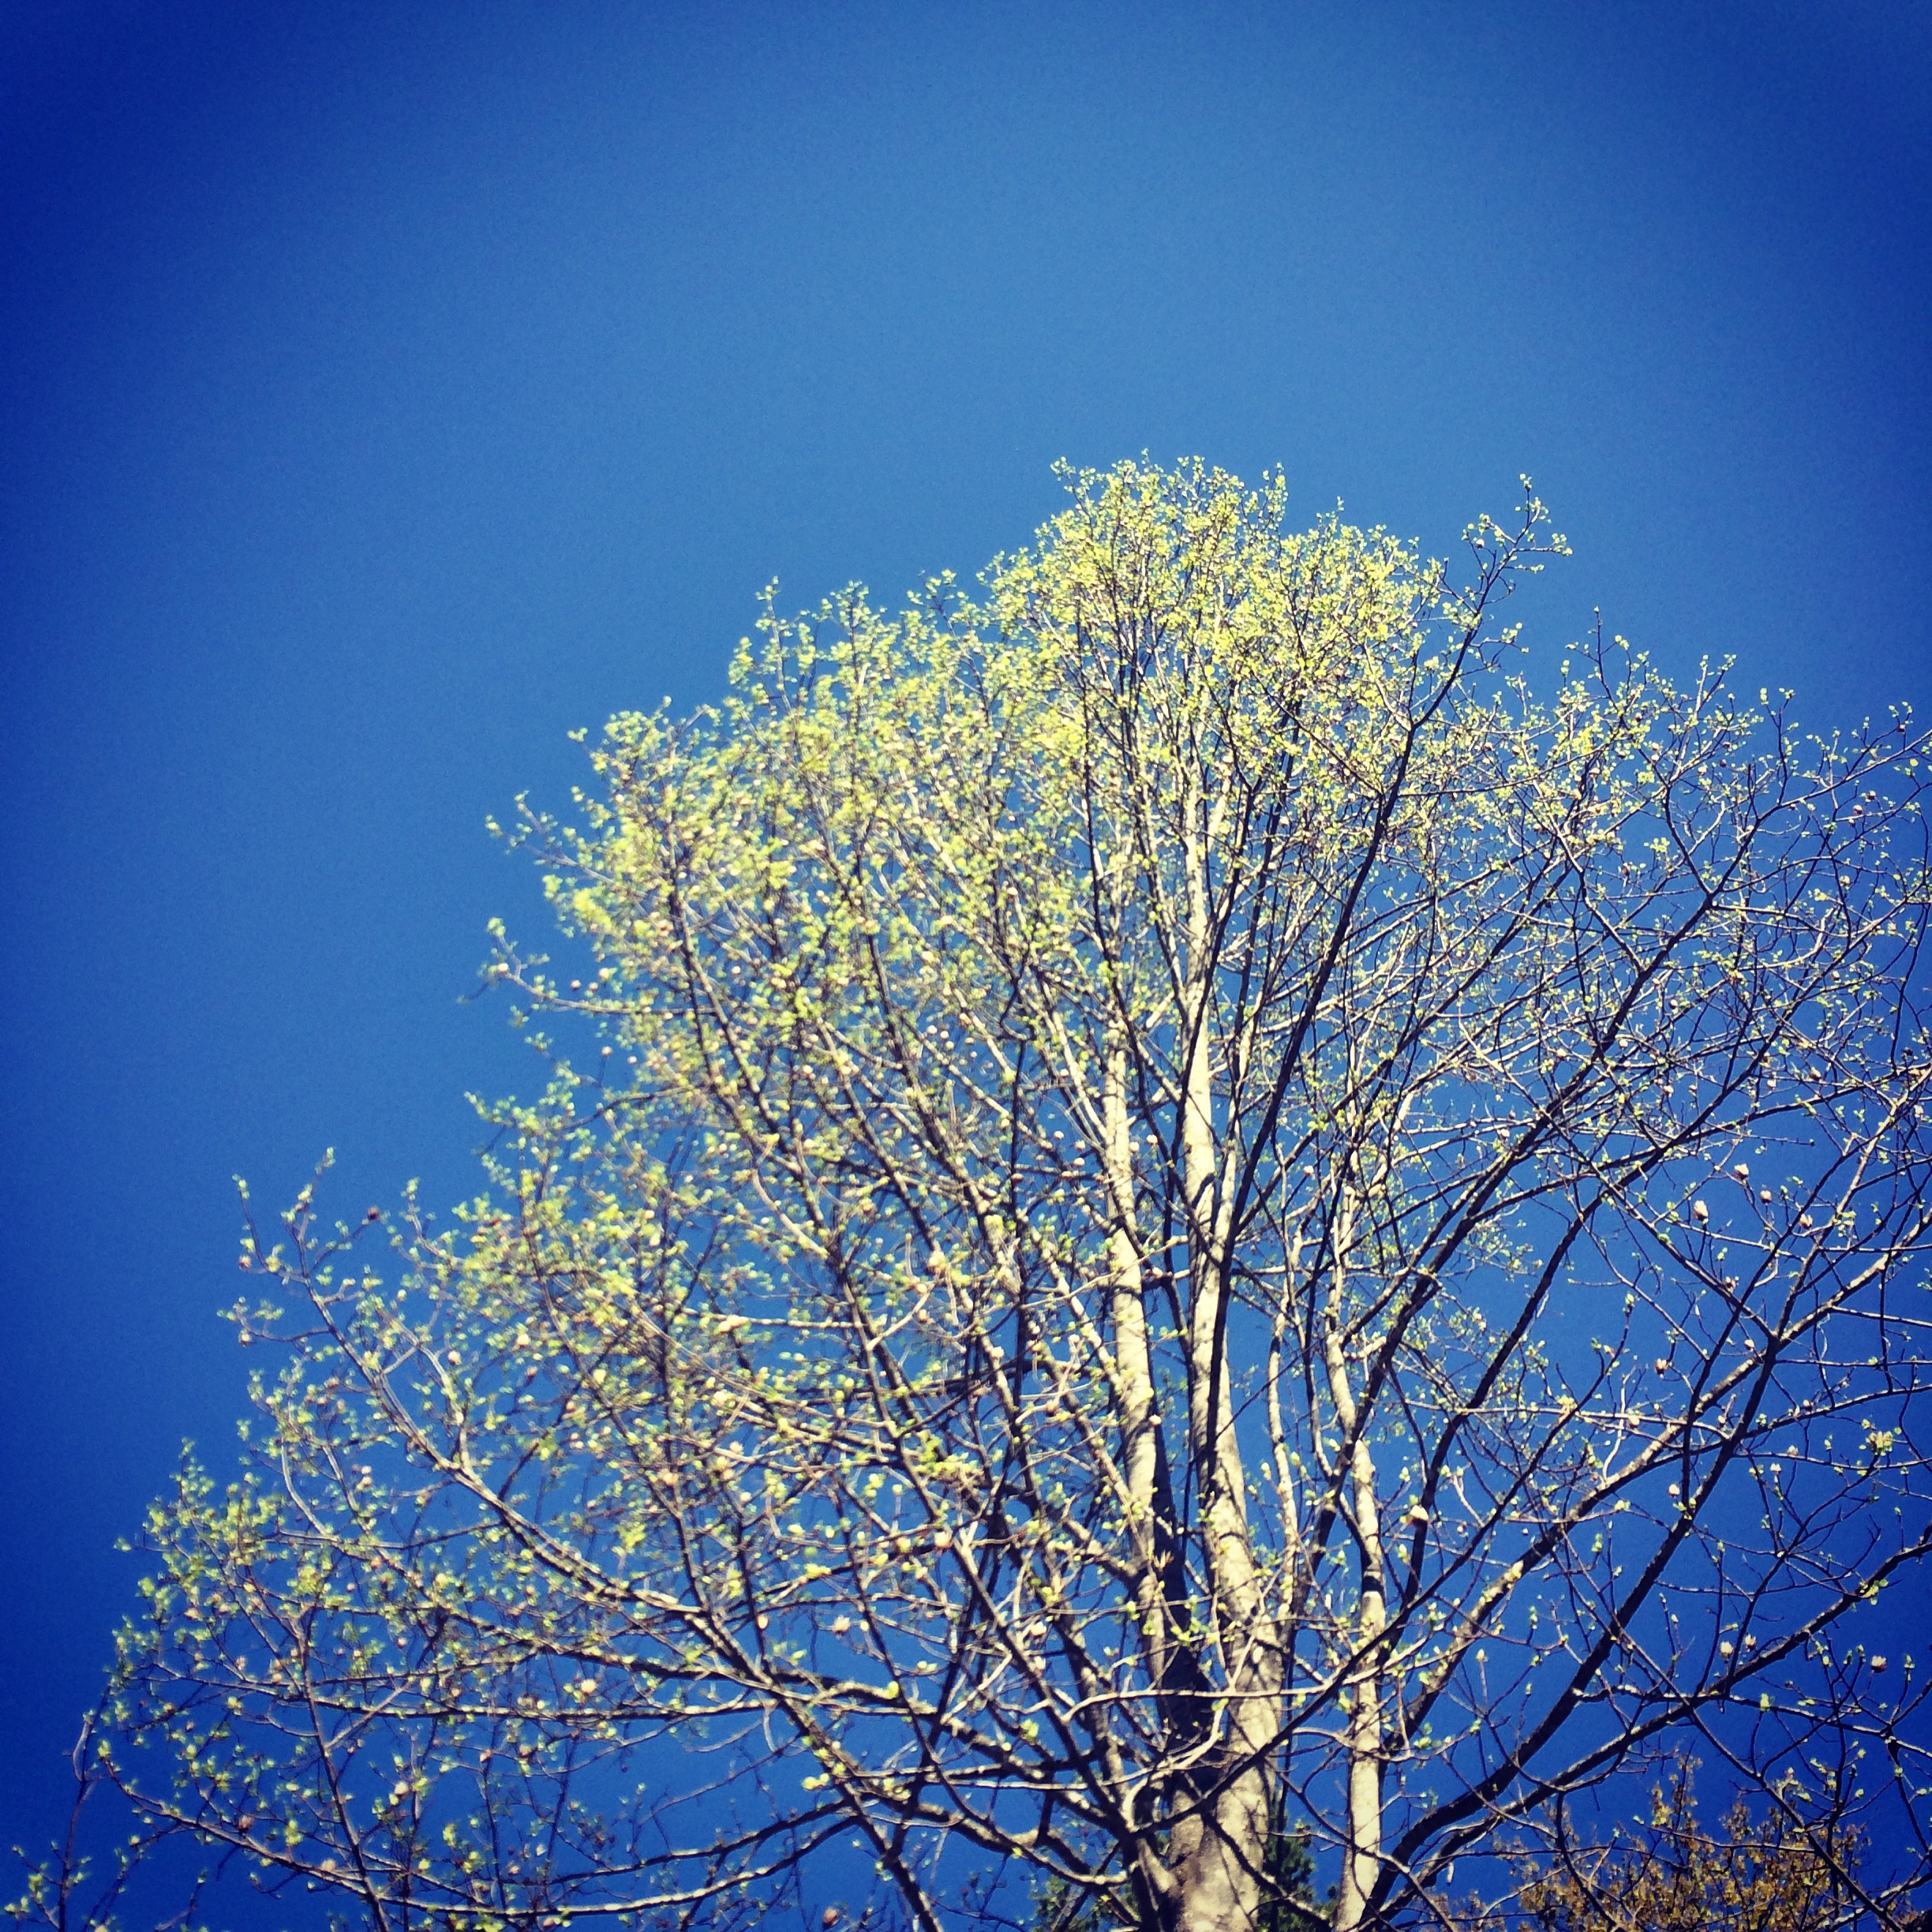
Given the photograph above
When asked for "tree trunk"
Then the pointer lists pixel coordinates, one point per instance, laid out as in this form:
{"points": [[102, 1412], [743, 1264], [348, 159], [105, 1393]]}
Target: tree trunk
{"points": [[1362, 1854], [1222, 1848]]}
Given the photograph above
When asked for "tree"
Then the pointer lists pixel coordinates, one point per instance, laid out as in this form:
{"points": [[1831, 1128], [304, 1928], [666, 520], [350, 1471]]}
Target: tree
{"points": [[1197, 1218], [1784, 1873]]}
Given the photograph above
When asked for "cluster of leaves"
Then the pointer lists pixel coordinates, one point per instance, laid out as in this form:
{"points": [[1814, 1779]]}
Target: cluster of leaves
{"points": [[1791, 1870]]}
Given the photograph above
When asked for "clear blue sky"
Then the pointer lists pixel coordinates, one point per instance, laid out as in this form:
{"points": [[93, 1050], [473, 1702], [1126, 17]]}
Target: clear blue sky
{"points": [[387, 390]]}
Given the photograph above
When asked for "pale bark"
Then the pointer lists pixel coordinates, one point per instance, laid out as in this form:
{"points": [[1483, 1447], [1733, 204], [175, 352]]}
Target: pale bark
{"points": [[1222, 1848], [1150, 1511], [1361, 1855]]}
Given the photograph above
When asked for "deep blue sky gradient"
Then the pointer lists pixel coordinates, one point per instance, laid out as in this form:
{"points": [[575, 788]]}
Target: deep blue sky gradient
{"points": [[387, 390]]}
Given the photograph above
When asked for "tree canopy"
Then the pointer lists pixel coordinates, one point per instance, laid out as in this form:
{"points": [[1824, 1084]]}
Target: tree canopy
{"points": [[1777, 1874], [1199, 1221]]}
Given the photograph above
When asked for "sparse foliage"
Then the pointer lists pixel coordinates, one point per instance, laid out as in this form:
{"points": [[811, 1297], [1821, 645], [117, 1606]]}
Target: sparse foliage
{"points": [[1789, 1871], [1205, 1226]]}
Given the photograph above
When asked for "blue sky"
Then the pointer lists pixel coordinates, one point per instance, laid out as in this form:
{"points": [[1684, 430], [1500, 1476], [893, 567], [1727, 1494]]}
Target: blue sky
{"points": [[389, 390]]}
